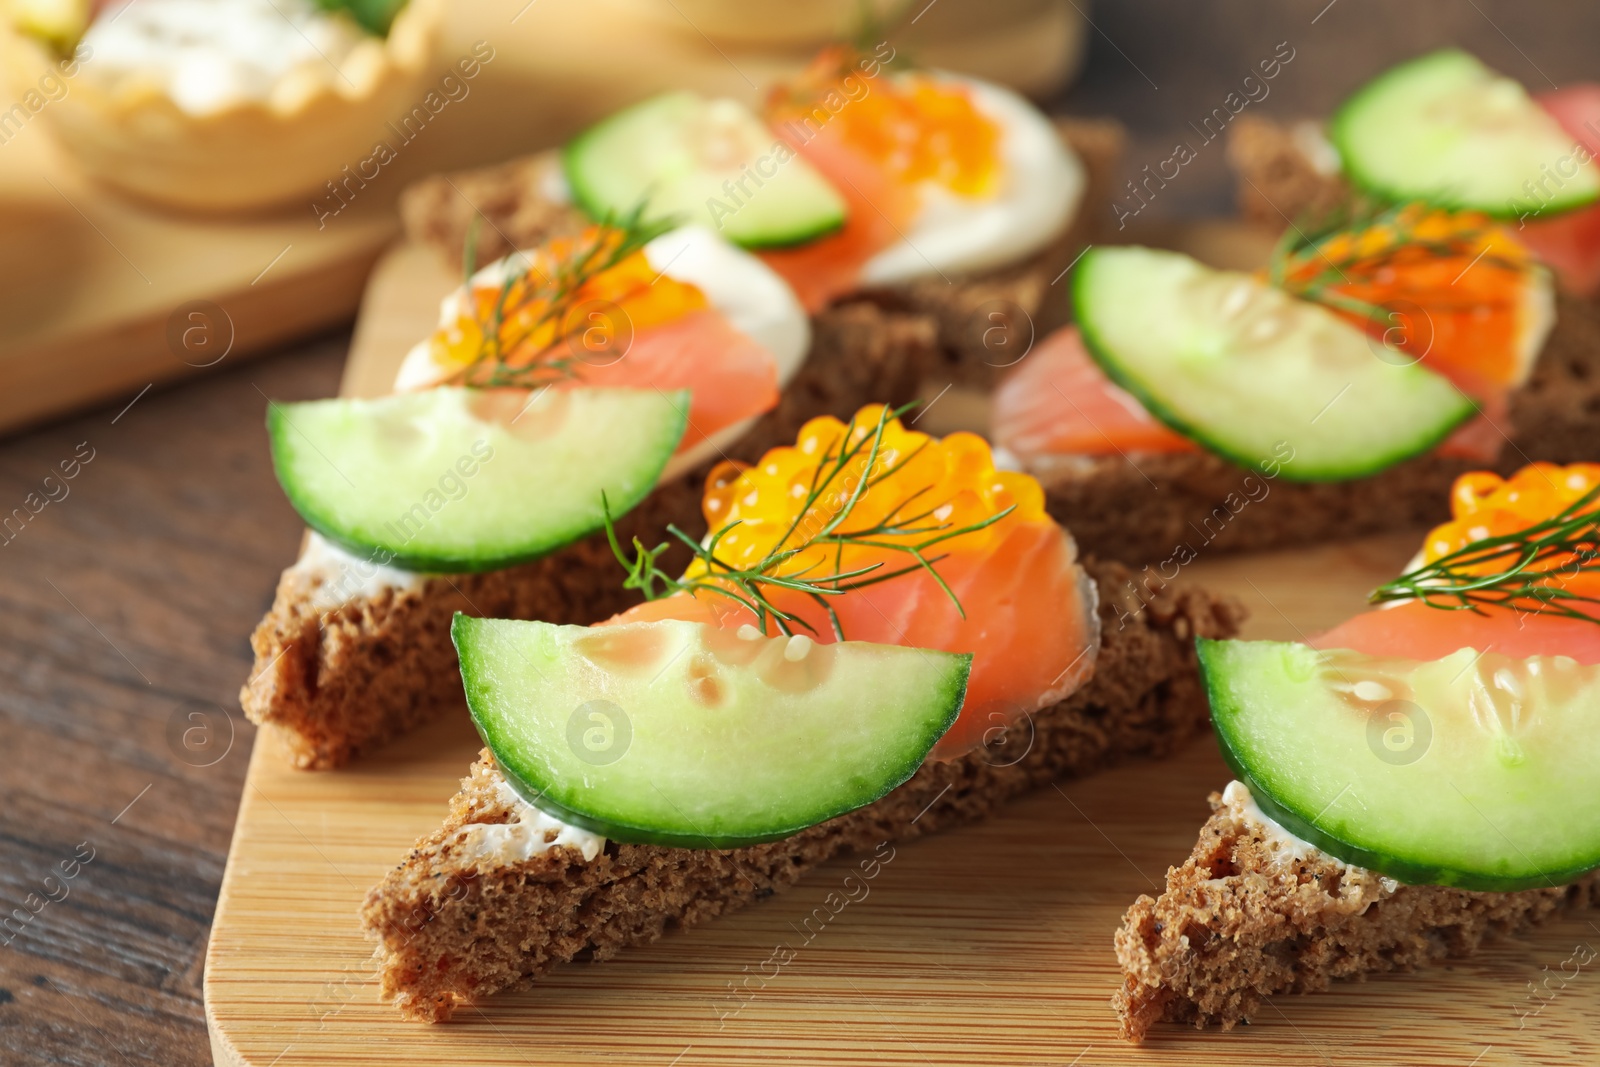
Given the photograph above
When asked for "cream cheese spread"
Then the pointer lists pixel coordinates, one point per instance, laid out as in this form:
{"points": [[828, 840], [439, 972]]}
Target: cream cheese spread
{"points": [[210, 55], [532, 833], [1286, 846]]}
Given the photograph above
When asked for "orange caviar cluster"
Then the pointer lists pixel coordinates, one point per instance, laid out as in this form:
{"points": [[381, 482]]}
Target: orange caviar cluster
{"points": [[919, 128], [1415, 227], [1486, 505], [951, 483], [644, 296], [1462, 292]]}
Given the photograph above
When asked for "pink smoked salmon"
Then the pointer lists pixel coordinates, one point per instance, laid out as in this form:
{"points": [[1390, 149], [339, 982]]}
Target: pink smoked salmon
{"points": [[877, 148], [626, 326], [1026, 609], [1570, 243], [1485, 505]]}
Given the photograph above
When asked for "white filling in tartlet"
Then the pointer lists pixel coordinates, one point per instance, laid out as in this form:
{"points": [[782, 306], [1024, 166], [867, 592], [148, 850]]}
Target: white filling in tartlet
{"points": [[210, 55]]}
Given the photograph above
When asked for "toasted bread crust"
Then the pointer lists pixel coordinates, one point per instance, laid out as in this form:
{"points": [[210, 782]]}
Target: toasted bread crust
{"points": [[341, 681], [982, 320], [1278, 184], [454, 925], [1167, 510], [1242, 920], [504, 207]]}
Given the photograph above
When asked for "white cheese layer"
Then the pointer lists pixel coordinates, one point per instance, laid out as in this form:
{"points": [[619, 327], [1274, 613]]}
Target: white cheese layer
{"points": [[532, 833], [343, 576], [1286, 846], [209, 55]]}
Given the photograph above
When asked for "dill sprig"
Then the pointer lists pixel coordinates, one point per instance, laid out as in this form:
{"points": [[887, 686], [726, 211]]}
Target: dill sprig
{"points": [[374, 16], [1566, 544], [750, 586], [1301, 262], [873, 28], [498, 363]]}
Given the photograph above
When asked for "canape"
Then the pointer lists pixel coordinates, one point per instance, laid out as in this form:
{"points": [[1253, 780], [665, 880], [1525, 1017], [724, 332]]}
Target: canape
{"points": [[625, 360], [1446, 129], [223, 106], [1338, 392], [1409, 784], [955, 195], [880, 636]]}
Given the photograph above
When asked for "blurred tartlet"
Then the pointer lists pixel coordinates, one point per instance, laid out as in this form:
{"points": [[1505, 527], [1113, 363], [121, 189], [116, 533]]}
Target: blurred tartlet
{"points": [[220, 105]]}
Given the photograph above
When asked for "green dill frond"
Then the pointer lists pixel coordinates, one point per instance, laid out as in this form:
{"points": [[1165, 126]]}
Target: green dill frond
{"points": [[1531, 569], [555, 295], [752, 586]]}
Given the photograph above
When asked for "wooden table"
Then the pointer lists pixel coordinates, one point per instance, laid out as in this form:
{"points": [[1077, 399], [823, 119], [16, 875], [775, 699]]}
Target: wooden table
{"points": [[127, 600]]}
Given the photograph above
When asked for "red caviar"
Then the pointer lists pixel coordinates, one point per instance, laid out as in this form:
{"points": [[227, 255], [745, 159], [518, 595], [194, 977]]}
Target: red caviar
{"points": [[1026, 610], [915, 126], [1463, 295], [527, 331]]}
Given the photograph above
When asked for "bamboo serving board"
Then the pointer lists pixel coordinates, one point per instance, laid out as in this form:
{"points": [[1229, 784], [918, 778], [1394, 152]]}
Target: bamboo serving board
{"points": [[100, 297], [987, 945]]}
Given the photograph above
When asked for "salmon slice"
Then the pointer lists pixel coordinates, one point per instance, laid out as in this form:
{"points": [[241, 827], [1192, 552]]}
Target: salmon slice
{"points": [[627, 325], [876, 210], [1481, 437], [1452, 290], [1484, 505], [1465, 299], [1059, 402], [878, 140], [1417, 631], [1027, 612], [1570, 243], [730, 377]]}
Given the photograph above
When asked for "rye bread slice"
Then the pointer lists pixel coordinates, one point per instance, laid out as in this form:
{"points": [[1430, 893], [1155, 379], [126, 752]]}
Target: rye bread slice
{"points": [[456, 922], [984, 321], [339, 680], [1279, 183], [1246, 918]]}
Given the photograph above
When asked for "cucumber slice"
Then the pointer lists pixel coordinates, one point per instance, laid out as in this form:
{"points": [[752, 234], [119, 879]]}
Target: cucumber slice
{"points": [[1260, 377], [682, 734], [708, 162], [1475, 770], [459, 480], [1446, 129]]}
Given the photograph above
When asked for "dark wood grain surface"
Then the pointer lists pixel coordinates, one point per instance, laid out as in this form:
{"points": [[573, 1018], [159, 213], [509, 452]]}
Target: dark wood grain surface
{"points": [[125, 605], [125, 602]]}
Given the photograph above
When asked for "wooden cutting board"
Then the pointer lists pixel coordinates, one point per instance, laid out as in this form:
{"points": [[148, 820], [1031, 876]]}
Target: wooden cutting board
{"points": [[987, 945], [101, 296]]}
